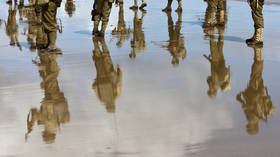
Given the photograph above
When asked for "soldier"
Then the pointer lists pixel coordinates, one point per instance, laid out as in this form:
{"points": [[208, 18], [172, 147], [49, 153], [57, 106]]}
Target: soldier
{"points": [[256, 103], [70, 7], [138, 42], [256, 9], [220, 74], [215, 8], [135, 6], [33, 24], [121, 32], [54, 107], [176, 45], [108, 82], [50, 25], [168, 7], [12, 27], [101, 12]]}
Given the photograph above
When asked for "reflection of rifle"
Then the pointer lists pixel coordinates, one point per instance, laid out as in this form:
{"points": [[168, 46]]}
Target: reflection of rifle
{"points": [[30, 122], [60, 26]]}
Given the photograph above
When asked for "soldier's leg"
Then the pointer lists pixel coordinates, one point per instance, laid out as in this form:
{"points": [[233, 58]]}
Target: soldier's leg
{"points": [[168, 7], [210, 13], [52, 40], [105, 17], [257, 15], [179, 9], [96, 21], [221, 12]]}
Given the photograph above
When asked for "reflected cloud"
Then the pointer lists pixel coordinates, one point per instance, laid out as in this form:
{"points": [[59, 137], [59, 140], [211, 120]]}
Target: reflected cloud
{"points": [[255, 99], [108, 82]]}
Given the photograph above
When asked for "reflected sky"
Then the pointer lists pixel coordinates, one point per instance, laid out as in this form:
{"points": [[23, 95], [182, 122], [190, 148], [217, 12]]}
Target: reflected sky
{"points": [[159, 109]]}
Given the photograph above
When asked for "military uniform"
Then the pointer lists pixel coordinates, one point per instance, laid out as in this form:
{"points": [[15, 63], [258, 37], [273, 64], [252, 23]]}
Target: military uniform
{"points": [[220, 74], [168, 7], [101, 12], [257, 104], [121, 32], [257, 15], [138, 42], [49, 22], [54, 107], [108, 82], [215, 8]]}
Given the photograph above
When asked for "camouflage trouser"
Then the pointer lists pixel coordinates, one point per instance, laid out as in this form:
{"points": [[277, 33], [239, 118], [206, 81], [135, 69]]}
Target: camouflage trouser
{"points": [[102, 10], [256, 8], [212, 8]]}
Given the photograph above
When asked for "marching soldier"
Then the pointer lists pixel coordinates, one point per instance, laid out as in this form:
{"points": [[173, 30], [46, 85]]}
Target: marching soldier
{"points": [[256, 9], [50, 25], [121, 31], [101, 12], [215, 8], [168, 7], [135, 6], [138, 42], [70, 7], [108, 82], [255, 100], [54, 107], [176, 45]]}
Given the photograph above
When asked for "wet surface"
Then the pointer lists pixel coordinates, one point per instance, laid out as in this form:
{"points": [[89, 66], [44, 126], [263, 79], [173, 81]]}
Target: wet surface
{"points": [[158, 85]]}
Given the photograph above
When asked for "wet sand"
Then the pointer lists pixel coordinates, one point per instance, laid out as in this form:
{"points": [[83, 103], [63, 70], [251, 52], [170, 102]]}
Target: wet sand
{"points": [[153, 108]]}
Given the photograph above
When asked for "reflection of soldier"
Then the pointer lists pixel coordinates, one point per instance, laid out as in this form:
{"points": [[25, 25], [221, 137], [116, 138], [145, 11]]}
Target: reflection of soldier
{"points": [[54, 106], [176, 45], [70, 7], [101, 12], [256, 102], [121, 31], [12, 27], [220, 74], [108, 82], [49, 23], [138, 42], [168, 7], [135, 6], [215, 7], [257, 15]]}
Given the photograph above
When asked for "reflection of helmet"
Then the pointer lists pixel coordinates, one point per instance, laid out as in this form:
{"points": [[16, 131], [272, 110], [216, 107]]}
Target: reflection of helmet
{"points": [[110, 107], [252, 128], [70, 8], [175, 61], [49, 138]]}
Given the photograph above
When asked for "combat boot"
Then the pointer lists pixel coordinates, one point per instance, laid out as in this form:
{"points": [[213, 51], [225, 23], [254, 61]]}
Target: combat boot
{"points": [[143, 5], [103, 29], [179, 9], [168, 7], [258, 38], [252, 38], [209, 21], [95, 27]]}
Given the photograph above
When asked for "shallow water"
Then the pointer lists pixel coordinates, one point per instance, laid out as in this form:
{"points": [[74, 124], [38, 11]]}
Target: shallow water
{"points": [[131, 100]]}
